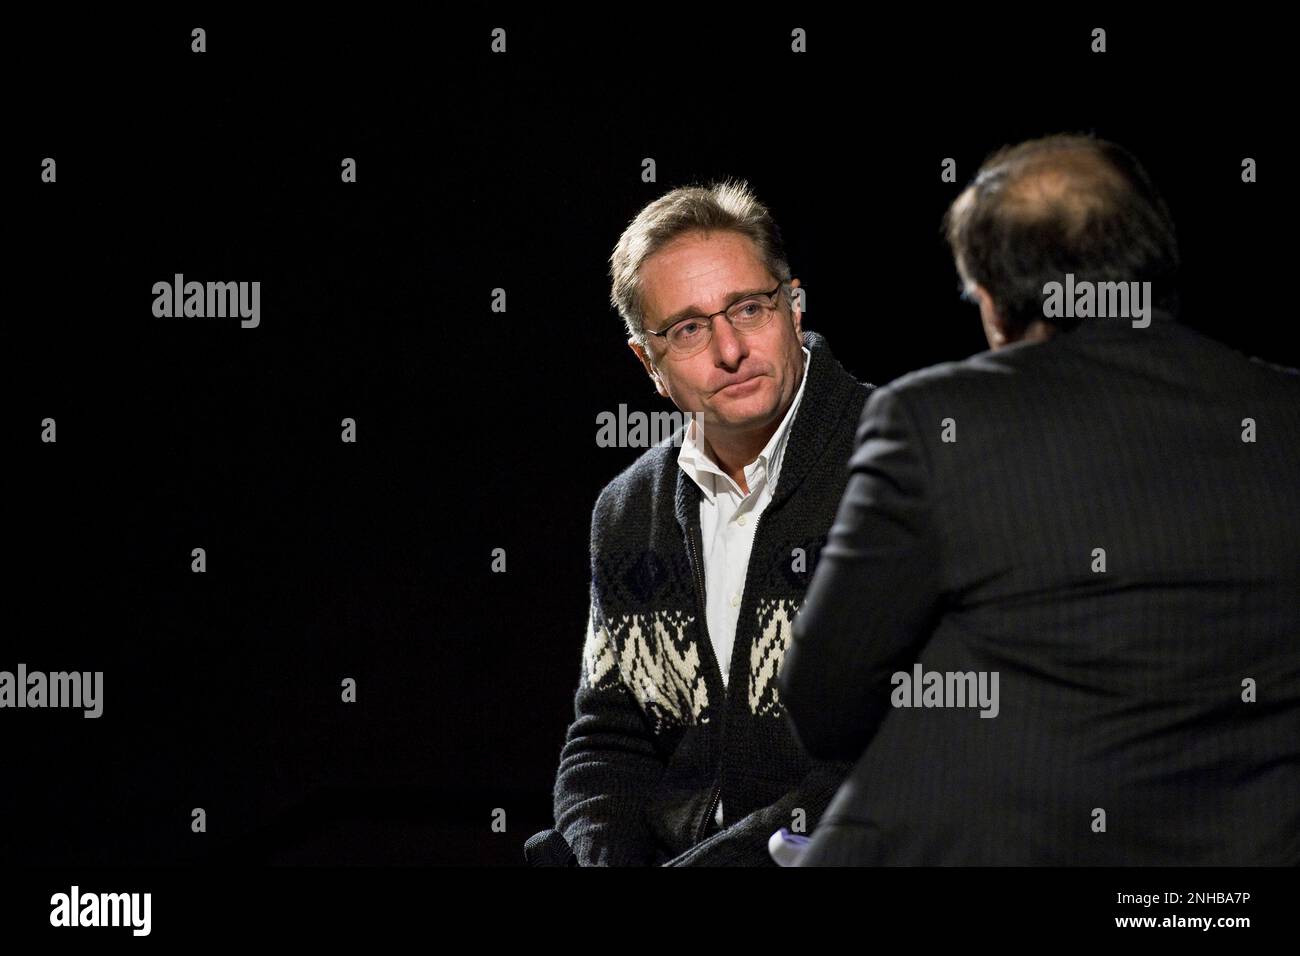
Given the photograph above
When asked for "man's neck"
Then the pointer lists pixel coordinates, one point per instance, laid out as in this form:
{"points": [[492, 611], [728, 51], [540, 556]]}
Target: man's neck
{"points": [[732, 456], [733, 453]]}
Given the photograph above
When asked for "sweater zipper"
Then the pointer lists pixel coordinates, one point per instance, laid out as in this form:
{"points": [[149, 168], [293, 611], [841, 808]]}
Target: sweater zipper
{"points": [[704, 624], [726, 701]]}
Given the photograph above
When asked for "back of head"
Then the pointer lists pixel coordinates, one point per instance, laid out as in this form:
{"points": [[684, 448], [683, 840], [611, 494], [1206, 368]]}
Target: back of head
{"points": [[1062, 205]]}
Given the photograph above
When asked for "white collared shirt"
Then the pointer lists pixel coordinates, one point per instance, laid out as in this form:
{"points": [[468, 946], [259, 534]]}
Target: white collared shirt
{"points": [[728, 518]]}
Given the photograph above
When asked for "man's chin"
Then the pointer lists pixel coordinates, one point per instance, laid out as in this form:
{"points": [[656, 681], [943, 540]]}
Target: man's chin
{"points": [[749, 411]]}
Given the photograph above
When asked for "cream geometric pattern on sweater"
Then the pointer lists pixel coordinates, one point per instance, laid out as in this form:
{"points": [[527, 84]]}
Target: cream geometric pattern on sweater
{"points": [[775, 618], [660, 665], [655, 660]]}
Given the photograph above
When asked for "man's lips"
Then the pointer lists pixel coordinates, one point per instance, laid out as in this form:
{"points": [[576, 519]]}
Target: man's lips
{"points": [[739, 383]]}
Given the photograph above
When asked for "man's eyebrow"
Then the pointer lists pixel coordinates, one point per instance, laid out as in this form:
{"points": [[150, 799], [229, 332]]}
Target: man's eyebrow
{"points": [[732, 299]]}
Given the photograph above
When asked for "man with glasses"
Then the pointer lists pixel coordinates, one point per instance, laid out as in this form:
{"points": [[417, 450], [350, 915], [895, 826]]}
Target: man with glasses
{"points": [[680, 753]]}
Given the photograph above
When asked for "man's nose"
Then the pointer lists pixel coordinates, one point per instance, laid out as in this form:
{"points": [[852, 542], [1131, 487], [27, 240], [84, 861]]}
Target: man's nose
{"points": [[729, 346]]}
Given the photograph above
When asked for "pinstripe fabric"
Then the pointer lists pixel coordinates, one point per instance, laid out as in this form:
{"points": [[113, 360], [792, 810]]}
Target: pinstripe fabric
{"points": [[1119, 691]]}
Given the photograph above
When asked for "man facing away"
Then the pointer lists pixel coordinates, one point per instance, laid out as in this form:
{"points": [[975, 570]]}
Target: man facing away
{"points": [[1057, 620], [701, 550]]}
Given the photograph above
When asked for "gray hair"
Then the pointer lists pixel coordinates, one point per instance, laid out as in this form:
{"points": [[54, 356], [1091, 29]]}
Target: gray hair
{"points": [[726, 205]]}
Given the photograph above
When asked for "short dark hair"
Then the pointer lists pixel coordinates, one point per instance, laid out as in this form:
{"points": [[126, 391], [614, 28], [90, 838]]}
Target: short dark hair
{"points": [[1063, 203]]}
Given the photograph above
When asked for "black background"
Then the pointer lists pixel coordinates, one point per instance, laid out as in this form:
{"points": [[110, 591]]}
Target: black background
{"points": [[476, 430]]}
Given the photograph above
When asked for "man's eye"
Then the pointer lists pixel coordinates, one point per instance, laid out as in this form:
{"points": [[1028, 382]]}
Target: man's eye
{"points": [[688, 329]]}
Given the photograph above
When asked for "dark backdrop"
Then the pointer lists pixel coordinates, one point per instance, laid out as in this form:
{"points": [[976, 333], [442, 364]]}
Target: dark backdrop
{"points": [[476, 429]]}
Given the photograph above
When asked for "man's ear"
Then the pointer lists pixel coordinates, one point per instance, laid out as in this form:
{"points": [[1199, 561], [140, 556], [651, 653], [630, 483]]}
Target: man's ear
{"points": [[635, 346], [995, 326], [794, 308]]}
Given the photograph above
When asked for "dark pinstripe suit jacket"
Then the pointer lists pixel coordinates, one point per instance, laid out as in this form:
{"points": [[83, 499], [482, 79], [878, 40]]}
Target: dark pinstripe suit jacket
{"points": [[1122, 736]]}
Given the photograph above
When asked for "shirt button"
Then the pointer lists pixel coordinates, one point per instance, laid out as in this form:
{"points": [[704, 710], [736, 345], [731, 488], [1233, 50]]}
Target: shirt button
{"points": [[735, 600], [741, 520]]}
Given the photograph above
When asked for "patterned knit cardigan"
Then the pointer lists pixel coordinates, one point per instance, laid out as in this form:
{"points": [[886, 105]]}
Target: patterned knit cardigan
{"points": [[657, 739]]}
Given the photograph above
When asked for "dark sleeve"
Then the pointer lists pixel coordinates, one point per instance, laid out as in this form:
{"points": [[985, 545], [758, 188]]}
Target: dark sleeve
{"points": [[870, 604], [609, 766], [744, 843]]}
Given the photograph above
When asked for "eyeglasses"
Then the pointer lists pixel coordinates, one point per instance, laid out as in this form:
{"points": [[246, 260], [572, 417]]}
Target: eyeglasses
{"points": [[691, 334]]}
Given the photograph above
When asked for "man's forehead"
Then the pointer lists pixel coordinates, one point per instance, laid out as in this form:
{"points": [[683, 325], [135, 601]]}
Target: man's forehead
{"points": [[691, 271], [700, 251]]}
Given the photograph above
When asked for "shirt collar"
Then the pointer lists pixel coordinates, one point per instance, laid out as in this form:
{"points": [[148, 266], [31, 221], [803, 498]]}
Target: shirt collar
{"points": [[702, 469]]}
